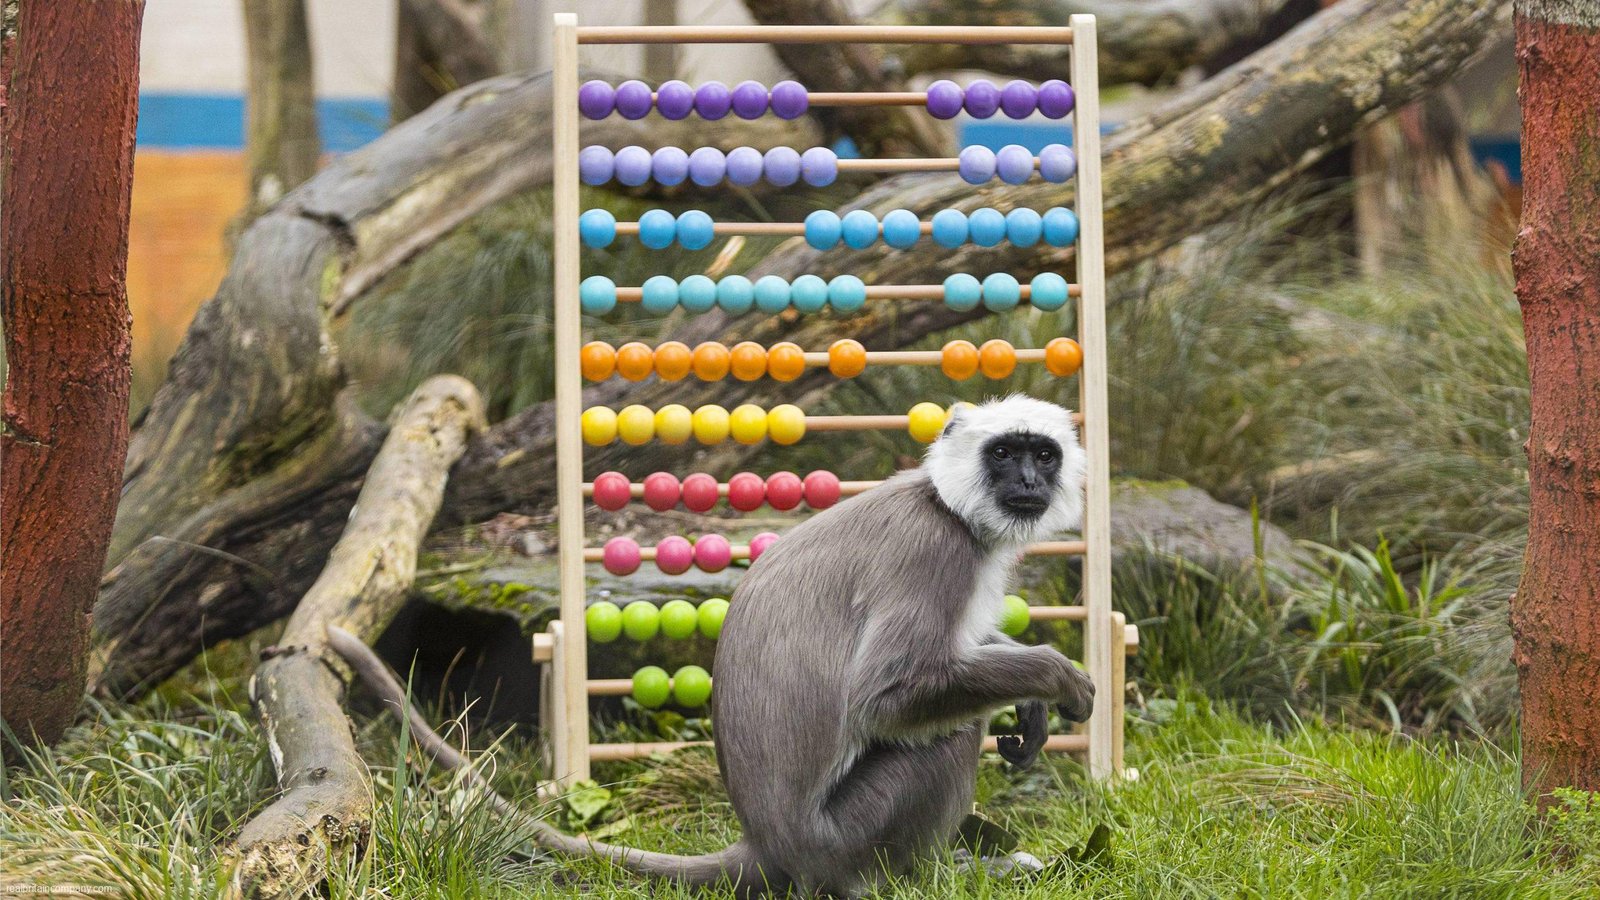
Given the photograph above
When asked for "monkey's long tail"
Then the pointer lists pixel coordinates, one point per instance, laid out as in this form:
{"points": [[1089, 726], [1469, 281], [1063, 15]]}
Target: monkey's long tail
{"points": [[737, 862]]}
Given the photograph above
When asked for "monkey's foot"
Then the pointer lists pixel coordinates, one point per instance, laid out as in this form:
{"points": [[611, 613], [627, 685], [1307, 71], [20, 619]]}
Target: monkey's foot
{"points": [[1018, 865], [1021, 750]]}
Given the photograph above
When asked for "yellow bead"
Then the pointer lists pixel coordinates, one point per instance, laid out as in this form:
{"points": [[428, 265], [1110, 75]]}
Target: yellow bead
{"points": [[711, 424], [748, 424], [674, 424], [636, 425], [599, 426], [926, 421], [786, 424]]}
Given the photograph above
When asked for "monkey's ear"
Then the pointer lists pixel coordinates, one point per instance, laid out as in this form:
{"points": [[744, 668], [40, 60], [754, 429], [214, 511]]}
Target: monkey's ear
{"points": [[953, 422]]}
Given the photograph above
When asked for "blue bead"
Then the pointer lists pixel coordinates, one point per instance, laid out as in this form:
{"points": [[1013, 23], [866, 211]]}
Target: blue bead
{"points": [[823, 229], [976, 164], [987, 227], [1057, 163], [819, 166], [657, 229], [633, 166], [669, 166], [596, 165], [1014, 163], [744, 166], [735, 296], [694, 230], [1060, 227], [846, 293], [809, 294], [707, 166], [901, 229], [781, 166], [659, 295], [597, 295], [950, 228], [1048, 291], [597, 227], [1001, 292], [1023, 227], [962, 292], [859, 229], [772, 294], [697, 293]]}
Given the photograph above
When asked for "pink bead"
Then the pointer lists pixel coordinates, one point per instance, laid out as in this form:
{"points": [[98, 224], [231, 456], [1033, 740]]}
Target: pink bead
{"points": [[760, 543], [699, 492], [712, 553], [674, 555], [661, 491], [821, 489], [746, 491], [621, 556], [784, 490], [612, 490]]}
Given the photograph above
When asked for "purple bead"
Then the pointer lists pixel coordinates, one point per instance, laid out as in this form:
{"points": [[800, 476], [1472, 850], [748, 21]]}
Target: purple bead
{"points": [[789, 100], [596, 165], [633, 166], [976, 164], [707, 166], [781, 166], [669, 166], [1018, 99], [1055, 98], [944, 99], [1014, 163], [819, 166], [633, 99], [750, 100], [982, 100], [674, 100], [744, 166], [1057, 163], [712, 100], [596, 99]]}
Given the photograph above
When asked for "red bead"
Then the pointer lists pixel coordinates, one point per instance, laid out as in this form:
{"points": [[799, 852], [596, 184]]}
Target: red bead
{"points": [[712, 552], [699, 492], [746, 491], [621, 556], [661, 491], [612, 490], [760, 543], [822, 489], [674, 555], [784, 490]]}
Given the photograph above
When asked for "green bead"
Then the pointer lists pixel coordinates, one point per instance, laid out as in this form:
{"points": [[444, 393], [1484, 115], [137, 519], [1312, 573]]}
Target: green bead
{"points": [[651, 686], [641, 620], [679, 619], [691, 686], [1013, 616], [712, 612], [603, 621]]}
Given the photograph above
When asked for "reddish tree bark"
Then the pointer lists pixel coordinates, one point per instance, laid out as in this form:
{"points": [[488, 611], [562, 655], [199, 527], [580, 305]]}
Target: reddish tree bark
{"points": [[67, 168], [1556, 613]]}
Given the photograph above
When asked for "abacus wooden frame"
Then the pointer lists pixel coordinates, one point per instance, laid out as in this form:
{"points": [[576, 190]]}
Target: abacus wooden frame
{"points": [[566, 687]]}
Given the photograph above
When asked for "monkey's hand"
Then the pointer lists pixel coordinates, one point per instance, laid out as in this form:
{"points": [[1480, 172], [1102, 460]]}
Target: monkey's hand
{"points": [[1021, 750], [1077, 696]]}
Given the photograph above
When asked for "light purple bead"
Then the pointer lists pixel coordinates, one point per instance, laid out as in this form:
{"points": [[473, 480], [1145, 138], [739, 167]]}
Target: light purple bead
{"points": [[944, 99], [596, 99], [712, 100], [789, 100], [982, 99], [1014, 163], [596, 165], [744, 166], [750, 100], [1018, 99], [819, 166], [1055, 98], [707, 166], [976, 164], [633, 166], [669, 166], [1057, 163], [674, 100], [781, 166], [633, 99]]}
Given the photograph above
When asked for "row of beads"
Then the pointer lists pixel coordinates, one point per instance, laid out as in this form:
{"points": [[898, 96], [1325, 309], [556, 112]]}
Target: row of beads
{"points": [[633, 166], [748, 424], [641, 620], [699, 492], [1018, 99], [1000, 292], [676, 99], [772, 294], [901, 229], [1014, 164], [960, 360], [689, 687], [675, 555]]}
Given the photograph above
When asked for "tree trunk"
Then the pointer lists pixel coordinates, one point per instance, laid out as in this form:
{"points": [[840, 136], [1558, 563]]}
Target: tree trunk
{"points": [[67, 173], [1555, 615], [440, 45], [281, 143]]}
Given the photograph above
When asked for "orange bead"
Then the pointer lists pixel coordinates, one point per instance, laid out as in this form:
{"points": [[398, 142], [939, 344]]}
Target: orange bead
{"points": [[847, 358], [1062, 356], [996, 359], [598, 360], [710, 361], [749, 361], [786, 361], [672, 360], [635, 361], [959, 360]]}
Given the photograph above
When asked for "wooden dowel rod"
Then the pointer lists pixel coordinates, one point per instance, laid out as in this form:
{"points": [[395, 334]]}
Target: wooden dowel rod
{"points": [[868, 98], [615, 687], [914, 357], [742, 551], [874, 292], [781, 229], [1056, 548], [822, 34], [1058, 613], [846, 488], [1055, 743], [872, 423], [888, 166]]}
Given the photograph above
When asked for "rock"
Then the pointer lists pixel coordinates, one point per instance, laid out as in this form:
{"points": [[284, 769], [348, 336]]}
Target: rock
{"points": [[1173, 518]]}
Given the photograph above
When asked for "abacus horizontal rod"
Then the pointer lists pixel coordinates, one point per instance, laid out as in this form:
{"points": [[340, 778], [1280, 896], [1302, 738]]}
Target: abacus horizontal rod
{"points": [[873, 423], [1057, 548], [822, 34], [911, 164], [857, 98], [755, 229], [1058, 613], [742, 551], [636, 489], [616, 687], [914, 357], [874, 292], [1055, 743], [648, 554]]}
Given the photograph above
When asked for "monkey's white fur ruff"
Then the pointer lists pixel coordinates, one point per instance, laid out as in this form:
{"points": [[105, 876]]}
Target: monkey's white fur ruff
{"points": [[954, 464]]}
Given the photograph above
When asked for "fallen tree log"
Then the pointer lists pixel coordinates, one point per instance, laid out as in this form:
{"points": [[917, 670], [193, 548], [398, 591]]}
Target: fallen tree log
{"points": [[298, 692]]}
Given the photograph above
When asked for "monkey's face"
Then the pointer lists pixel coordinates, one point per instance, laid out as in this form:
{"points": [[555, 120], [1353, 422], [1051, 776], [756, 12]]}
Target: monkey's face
{"points": [[1022, 471]]}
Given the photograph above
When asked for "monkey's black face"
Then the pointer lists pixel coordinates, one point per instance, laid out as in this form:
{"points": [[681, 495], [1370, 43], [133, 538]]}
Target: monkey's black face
{"points": [[1021, 471]]}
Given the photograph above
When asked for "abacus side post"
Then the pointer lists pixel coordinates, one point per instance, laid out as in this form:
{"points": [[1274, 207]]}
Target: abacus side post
{"points": [[1119, 686]]}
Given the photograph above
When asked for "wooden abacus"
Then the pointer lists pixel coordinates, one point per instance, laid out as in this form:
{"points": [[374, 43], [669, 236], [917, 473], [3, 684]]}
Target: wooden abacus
{"points": [[563, 648]]}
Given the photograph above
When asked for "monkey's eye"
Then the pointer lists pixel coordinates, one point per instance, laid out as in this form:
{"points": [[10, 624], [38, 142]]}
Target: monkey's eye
{"points": [[1046, 456], [1000, 453]]}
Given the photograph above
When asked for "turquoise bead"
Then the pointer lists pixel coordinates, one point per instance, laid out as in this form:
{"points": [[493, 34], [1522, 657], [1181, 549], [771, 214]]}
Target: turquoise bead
{"points": [[860, 229], [1048, 291], [1060, 227], [597, 227], [772, 294], [697, 293], [597, 295], [657, 229], [735, 295], [694, 230], [846, 293], [822, 229], [950, 228], [809, 294], [659, 295], [1023, 227], [901, 229], [1001, 292], [962, 292], [987, 227]]}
